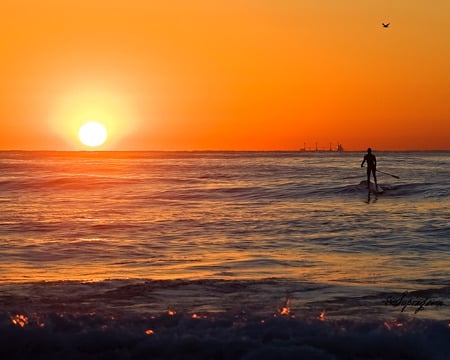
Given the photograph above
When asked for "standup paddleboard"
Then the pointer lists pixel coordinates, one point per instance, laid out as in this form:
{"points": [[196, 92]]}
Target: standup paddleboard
{"points": [[375, 189], [372, 188]]}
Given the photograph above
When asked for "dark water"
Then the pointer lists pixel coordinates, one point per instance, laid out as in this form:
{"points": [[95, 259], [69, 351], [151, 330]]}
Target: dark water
{"points": [[245, 249]]}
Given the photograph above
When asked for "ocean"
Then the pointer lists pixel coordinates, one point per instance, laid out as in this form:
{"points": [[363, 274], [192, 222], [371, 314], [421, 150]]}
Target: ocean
{"points": [[223, 255]]}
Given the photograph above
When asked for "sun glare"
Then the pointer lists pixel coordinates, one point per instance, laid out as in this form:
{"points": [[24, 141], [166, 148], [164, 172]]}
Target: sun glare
{"points": [[93, 134]]}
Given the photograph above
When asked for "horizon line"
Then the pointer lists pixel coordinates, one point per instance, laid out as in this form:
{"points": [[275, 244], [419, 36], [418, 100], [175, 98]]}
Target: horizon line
{"points": [[228, 150]]}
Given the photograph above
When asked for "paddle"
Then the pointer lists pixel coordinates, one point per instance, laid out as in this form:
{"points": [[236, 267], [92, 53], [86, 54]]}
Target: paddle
{"points": [[397, 177]]}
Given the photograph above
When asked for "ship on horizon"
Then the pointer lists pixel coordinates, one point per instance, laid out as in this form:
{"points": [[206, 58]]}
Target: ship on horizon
{"points": [[338, 148]]}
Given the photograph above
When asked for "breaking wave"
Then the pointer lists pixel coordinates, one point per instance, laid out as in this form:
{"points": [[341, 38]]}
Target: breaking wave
{"points": [[218, 336]]}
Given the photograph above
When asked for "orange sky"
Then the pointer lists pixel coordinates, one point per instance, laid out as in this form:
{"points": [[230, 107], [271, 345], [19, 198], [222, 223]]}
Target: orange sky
{"points": [[225, 74]]}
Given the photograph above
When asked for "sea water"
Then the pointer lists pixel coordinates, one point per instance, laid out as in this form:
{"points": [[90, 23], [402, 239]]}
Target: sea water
{"points": [[224, 255]]}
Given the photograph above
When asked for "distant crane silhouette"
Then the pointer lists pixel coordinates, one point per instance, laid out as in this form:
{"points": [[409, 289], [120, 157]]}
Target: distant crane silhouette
{"points": [[385, 25]]}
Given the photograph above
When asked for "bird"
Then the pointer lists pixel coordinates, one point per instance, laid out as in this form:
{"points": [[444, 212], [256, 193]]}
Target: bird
{"points": [[386, 25]]}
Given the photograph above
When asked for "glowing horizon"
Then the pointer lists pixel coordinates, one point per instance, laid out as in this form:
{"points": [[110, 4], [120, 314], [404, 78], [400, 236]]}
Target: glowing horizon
{"points": [[228, 75]]}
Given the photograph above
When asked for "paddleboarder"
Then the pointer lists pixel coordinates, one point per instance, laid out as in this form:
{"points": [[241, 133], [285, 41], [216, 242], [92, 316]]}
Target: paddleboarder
{"points": [[371, 167]]}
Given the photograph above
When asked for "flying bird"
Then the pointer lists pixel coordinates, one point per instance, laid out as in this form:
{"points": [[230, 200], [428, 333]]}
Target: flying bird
{"points": [[386, 25]]}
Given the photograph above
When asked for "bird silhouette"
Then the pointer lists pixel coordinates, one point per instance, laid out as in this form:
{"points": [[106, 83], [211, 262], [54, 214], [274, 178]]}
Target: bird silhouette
{"points": [[386, 25]]}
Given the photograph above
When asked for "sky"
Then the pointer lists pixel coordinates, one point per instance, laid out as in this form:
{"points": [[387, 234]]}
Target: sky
{"points": [[225, 74]]}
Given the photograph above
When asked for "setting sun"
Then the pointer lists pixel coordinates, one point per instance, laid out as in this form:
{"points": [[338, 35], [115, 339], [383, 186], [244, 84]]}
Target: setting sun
{"points": [[92, 134]]}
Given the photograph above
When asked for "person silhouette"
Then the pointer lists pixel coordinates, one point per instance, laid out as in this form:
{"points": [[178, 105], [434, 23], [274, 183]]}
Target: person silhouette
{"points": [[371, 167]]}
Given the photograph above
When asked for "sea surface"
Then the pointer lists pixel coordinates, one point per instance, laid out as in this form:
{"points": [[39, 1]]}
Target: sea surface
{"points": [[224, 255]]}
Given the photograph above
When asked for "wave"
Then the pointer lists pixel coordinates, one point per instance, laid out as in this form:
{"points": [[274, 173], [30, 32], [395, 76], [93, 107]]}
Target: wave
{"points": [[173, 319], [193, 190], [425, 189], [63, 183], [200, 336]]}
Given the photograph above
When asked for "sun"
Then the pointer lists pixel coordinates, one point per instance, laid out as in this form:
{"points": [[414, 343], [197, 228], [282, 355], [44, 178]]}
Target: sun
{"points": [[92, 133]]}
